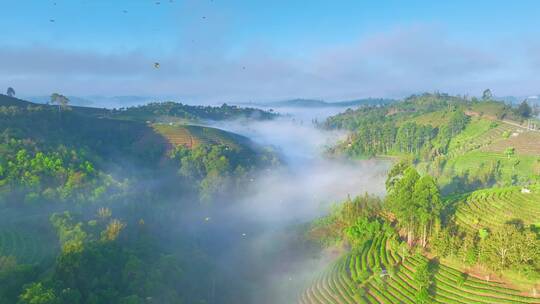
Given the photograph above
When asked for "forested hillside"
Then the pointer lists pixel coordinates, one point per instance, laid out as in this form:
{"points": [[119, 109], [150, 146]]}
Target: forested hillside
{"points": [[465, 144], [172, 111], [311, 103], [85, 195], [459, 223]]}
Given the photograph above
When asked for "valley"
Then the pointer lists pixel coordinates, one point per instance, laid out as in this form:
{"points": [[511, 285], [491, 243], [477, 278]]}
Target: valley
{"points": [[269, 152], [333, 204]]}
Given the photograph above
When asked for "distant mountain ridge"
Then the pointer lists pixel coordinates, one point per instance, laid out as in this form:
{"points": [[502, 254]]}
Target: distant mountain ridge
{"points": [[315, 103], [110, 102], [531, 99]]}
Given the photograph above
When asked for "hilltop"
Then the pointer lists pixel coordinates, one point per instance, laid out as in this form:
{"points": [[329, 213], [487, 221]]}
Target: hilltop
{"points": [[167, 120], [160, 111], [99, 101], [103, 141], [8, 101], [178, 112]]}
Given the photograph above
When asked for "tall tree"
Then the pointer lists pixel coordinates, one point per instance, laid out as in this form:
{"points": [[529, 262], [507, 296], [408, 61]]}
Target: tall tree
{"points": [[498, 249], [395, 174], [427, 198], [401, 202], [487, 95], [458, 122], [524, 109], [10, 92], [59, 99]]}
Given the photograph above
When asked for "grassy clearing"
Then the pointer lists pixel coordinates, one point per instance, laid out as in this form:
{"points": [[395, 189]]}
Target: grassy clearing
{"points": [[490, 109], [434, 119]]}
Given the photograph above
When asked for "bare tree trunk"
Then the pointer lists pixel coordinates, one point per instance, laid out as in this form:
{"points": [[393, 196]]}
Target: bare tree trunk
{"points": [[410, 236], [424, 238], [503, 256]]}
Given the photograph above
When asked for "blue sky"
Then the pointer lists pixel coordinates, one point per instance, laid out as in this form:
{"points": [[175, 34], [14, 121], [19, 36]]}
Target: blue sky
{"points": [[217, 50]]}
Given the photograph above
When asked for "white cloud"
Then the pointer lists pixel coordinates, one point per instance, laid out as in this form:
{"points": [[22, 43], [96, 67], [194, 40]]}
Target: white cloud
{"points": [[393, 63]]}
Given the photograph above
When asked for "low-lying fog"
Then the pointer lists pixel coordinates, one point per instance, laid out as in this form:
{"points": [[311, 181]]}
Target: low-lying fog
{"points": [[259, 241]]}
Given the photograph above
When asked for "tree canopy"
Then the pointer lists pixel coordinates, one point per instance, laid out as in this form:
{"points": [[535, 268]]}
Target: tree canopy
{"points": [[524, 109], [10, 92]]}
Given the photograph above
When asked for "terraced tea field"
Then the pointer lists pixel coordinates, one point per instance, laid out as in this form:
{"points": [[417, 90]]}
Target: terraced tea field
{"points": [[479, 135], [177, 135], [525, 143], [494, 207], [340, 284], [525, 167], [192, 136], [359, 278], [26, 246]]}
